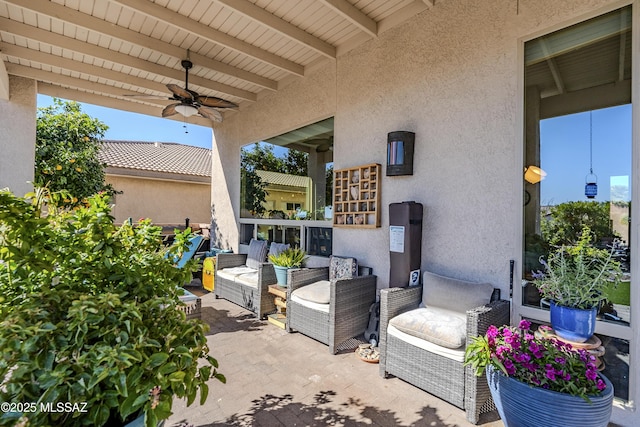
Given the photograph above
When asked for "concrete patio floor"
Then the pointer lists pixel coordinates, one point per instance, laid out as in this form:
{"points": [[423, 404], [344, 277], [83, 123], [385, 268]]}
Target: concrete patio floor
{"points": [[280, 379]]}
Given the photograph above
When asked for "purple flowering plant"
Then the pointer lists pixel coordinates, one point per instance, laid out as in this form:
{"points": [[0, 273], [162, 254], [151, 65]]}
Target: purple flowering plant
{"points": [[537, 361]]}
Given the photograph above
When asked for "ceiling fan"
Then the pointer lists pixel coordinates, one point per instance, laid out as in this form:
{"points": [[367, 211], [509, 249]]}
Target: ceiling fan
{"points": [[190, 102]]}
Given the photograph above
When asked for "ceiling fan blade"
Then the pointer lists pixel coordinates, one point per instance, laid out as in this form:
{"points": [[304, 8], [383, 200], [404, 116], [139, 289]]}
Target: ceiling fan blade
{"points": [[210, 114], [169, 110], [147, 96], [179, 92], [212, 101]]}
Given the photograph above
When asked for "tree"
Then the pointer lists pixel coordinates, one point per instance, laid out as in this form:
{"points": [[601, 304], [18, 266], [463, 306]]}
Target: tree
{"points": [[67, 146], [566, 221], [262, 157]]}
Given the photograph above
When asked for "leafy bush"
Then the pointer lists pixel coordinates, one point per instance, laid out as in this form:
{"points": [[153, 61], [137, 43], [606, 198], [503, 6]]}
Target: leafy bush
{"points": [[89, 314]]}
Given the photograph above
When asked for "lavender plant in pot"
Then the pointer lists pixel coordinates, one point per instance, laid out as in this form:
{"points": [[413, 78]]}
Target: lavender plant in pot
{"points": [[575, 280]]}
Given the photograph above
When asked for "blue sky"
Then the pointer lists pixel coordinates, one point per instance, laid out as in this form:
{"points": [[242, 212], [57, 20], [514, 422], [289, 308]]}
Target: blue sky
{"points": [[565, 154], [140, 127]]}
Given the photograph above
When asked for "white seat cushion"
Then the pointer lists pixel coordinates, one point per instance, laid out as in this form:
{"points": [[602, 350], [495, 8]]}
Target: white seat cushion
{"points": [[230, 273], [450, 353], [249, 279], [318, 292], [312, 305], [440, 326]]}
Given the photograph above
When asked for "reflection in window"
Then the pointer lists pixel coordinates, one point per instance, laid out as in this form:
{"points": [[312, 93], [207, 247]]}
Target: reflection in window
{"points": [[289, 176], [578, 135]]}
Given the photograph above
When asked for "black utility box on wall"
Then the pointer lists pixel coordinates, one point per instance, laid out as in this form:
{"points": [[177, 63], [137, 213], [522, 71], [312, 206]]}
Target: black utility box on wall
{"points": [[405, 243]]}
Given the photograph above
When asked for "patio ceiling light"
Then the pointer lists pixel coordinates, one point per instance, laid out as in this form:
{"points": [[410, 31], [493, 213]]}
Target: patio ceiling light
{"points": [[533, 174], [186, 110]]}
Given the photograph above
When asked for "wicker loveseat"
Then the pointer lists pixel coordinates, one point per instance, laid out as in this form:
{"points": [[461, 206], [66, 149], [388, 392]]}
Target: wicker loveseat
{"points": [[333, 308], [424, 331], [244, 279]]}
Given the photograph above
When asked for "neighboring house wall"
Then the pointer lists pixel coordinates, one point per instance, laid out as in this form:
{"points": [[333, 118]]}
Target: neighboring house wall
{"points": [[164, 202], [452, 76], [18, 136]]}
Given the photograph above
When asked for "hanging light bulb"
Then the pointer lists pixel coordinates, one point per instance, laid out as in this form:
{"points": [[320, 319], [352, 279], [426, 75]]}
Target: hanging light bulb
{"points": [[591, 186]]}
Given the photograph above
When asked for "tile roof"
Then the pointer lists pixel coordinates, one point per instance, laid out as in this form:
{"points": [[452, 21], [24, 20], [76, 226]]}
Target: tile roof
{"points": [[167, 157], [277, 178]]}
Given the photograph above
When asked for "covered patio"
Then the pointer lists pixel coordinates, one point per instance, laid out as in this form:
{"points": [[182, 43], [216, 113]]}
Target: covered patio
{"points": [[473, 80], [280, 379]]}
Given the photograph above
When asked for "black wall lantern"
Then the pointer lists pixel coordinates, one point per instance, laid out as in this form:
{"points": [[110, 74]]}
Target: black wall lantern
{"points": [[400, 153]]}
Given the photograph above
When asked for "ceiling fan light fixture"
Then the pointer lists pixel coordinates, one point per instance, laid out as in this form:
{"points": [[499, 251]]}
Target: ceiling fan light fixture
{"points": [[186, 110]]}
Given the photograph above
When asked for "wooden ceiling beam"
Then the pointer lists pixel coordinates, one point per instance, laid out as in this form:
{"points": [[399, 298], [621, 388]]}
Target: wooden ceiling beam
{"points": [[27, 54], [87, 85], [281, 26], [58, 11], [184, 23], [353, 15], [54, 39]]}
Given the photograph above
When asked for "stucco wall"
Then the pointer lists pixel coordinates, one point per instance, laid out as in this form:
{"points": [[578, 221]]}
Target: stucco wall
{"points": [[18, 136], [451, 75], [164, 202]]}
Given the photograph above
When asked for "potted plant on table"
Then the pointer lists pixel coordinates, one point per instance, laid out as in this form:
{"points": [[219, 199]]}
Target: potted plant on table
{"points": [[91, 331], [283, 261], [537, 381], [575, 281]]}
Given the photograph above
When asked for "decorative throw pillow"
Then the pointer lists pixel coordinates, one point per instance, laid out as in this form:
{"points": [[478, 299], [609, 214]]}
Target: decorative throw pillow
{"points": [[342, 268], [276, 248], [257, 253]]}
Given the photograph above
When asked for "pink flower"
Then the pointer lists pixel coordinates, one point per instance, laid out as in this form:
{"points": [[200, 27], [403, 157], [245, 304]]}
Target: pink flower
{"points": [[601, 385], [524, 325]]}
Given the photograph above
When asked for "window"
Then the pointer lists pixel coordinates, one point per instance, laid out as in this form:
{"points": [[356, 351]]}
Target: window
{"points": [[577, 164], [289, 176]]}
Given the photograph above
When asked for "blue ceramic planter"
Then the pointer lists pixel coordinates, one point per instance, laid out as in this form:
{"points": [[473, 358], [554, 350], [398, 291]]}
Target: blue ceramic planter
{"points": [[281, 274], [573, 324], [521, 405]]}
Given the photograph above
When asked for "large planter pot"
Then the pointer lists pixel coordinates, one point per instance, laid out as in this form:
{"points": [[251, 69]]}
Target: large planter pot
{"points": [[281, 274], [573, 324], [521, 405]]}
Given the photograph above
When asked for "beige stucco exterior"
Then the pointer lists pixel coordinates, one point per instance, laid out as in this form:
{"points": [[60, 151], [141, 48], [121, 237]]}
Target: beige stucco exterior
{"points": [[451, 76], [18, 135], [454, 76], [165, 202]]}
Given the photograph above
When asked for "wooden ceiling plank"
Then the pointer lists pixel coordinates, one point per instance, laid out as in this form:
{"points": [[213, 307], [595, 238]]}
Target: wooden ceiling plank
{"points": [[281, 26], [60, 79], [354, 15], [110, 55], [213, 35], [80, 67], [95, 24]]}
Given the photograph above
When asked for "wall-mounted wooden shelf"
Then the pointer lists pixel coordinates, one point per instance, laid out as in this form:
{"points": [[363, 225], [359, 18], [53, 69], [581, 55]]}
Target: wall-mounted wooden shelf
{"points": [[356, 197]]}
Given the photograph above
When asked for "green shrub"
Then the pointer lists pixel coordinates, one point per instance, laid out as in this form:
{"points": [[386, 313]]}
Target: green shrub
{"points": [[88, 313]]}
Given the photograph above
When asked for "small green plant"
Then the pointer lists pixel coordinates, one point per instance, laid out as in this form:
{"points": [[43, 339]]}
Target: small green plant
{"points": [[578, 276], [291, 257], [89, 315]]}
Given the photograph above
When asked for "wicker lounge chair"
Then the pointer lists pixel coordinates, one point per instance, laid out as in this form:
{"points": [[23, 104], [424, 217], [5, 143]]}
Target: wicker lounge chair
{"points": [[346, 313], [246, 281], [439, 371]]}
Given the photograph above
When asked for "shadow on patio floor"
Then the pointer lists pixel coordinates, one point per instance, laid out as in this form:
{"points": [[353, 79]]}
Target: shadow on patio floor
{"points": [[275, 378]]}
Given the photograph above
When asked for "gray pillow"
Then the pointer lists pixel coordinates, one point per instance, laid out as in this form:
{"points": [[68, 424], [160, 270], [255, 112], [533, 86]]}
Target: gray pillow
{"points": [[276, 248], [453, 294], [257, 253]]}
